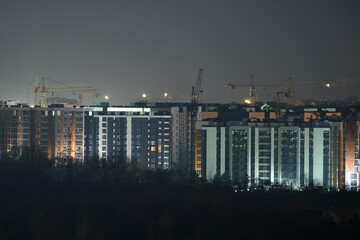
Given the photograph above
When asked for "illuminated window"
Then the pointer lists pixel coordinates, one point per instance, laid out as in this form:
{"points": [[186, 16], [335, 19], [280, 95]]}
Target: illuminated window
{"points": [[153, 148]]}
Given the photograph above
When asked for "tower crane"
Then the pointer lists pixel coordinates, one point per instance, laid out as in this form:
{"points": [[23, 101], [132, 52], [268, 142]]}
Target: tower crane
{"points": [[289, 92], [44, 91], [195, 99], [196, 91], [251, 86]]}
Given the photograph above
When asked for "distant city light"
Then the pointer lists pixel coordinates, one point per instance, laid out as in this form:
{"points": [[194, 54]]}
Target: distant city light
{"points": [[32, 106], [247, 101], [144, 95], [106, 97], [165, 94], [327, 85]]}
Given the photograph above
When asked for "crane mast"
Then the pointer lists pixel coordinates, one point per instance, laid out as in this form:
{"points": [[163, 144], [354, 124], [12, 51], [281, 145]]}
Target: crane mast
{"points": [[36, 88], [252, 90], [195, 99], [196, 91]]}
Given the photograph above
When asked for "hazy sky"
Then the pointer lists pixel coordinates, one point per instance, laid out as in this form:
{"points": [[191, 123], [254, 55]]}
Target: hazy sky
{"points": [[125, 48]]}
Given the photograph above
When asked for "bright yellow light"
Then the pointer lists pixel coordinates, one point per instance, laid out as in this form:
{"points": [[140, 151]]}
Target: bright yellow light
{"points": [[106, 97], [327, 85], [247, 101], [144, 95], [165, 94]]}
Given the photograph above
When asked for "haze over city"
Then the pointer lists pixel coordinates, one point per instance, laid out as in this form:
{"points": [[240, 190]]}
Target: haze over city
{"points": [[165, 119], [126, 48]]}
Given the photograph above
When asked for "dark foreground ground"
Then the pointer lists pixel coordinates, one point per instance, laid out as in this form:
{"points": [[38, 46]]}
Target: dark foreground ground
{"points": [[35, 206]]}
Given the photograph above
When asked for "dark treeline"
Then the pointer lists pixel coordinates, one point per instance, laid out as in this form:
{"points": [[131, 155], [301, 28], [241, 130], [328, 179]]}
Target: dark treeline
{"points": [[115, 199]]}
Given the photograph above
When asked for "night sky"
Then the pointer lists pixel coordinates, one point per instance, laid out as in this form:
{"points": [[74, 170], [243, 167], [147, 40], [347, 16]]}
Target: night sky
{"points": [[126, 48]]}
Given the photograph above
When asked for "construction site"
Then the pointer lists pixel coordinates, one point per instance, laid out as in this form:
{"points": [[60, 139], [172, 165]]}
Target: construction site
{"points": [[279, 141]]}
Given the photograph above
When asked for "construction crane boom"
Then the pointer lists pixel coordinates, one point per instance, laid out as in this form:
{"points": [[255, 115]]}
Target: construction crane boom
{"points": [[289, 92], [46, 91], [271, 84]]}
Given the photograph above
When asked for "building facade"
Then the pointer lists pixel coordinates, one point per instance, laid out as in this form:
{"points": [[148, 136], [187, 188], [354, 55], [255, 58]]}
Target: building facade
{"points": [[298, 147], [136, 133], [52, 132], [272, 153]]}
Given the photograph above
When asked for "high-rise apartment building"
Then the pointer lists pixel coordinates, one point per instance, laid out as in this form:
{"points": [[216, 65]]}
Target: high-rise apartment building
{"points": [[184, 118], [274, 153], [15, 126], [66, 133], [298, 146], [137, 133], [54, 132], [317, 146]]}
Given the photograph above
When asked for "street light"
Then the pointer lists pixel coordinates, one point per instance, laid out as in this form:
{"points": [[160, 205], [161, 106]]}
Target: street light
{"points": [[247, 101]]}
